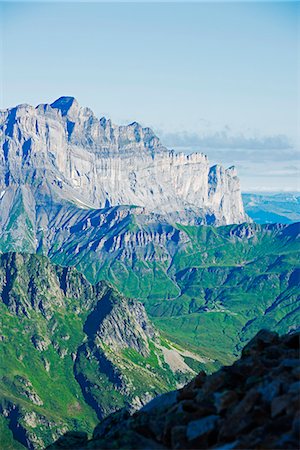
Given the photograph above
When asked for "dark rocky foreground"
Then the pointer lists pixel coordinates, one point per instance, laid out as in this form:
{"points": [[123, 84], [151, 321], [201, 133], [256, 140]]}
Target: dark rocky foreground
{"points": [[253, 404]]}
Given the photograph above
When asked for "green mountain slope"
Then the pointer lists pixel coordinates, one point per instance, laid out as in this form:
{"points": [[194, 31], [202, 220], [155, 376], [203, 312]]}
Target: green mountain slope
{"points": [[71, 353], [207, 291], [207, 288]]}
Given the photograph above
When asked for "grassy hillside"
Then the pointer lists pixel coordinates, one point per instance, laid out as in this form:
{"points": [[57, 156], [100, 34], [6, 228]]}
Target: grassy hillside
{"points": [[205, 287], [208, 289], [57, 371]]}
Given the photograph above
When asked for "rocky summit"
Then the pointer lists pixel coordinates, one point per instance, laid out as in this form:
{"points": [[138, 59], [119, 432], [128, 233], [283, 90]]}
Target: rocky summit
{"points": [[63, 151], [253, 404]]}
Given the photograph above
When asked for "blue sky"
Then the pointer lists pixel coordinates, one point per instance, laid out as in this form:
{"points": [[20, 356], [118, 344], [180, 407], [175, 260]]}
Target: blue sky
{"points": [[222, 78]]}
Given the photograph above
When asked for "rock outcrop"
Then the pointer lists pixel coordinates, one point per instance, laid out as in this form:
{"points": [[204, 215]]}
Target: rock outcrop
{"points": [[63, 148], [120, 323], [252, 404]]}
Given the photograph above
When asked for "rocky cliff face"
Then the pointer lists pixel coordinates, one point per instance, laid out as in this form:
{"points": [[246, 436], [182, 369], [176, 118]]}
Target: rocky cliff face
{"points": [[120, 323], [64, 148]]}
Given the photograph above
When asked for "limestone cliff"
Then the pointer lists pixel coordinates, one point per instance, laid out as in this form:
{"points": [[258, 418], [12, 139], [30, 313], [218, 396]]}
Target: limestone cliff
{"points": [[97, 163]]}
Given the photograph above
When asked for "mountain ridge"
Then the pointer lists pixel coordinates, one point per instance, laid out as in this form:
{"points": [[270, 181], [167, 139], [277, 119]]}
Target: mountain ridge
{"points": [[102, 164], [72, 351]]}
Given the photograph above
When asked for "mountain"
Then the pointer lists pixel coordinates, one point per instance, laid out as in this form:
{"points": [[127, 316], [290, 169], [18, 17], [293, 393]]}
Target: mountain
{"points": [[191, 279], [273, 207], [250, 405], [72, 353], [116, 284], [63, 151]]}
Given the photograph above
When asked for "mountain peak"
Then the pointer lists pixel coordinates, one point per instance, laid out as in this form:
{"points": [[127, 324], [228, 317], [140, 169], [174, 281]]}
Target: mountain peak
{"points": [[64, 104], [116, 165], [232, 171]]}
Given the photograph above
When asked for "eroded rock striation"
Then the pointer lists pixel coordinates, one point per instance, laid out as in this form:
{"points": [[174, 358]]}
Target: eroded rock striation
{"points": [[250, 405], [63, 148]]}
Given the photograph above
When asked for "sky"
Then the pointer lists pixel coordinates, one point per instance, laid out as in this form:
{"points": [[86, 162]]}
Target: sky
{"points": [[216, 77]]}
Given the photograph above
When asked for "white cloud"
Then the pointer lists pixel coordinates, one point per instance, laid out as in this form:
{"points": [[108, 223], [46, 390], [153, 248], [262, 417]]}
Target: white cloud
{"points": [[225, 139], [264, 163]]}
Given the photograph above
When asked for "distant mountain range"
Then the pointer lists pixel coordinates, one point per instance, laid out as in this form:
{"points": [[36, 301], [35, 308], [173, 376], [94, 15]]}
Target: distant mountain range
{"points": [[273, 207]]}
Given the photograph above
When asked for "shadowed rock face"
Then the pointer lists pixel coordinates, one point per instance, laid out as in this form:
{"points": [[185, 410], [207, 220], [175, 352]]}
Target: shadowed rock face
{"points": [[116, 323], [252, 404], [100, 164], [120, 323]]}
